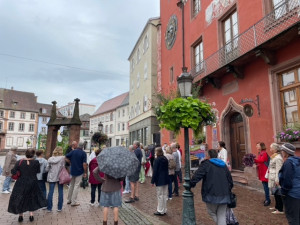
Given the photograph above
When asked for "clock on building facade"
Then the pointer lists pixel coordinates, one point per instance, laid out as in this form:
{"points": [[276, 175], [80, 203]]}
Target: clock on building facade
{"points": [[171, 32]]}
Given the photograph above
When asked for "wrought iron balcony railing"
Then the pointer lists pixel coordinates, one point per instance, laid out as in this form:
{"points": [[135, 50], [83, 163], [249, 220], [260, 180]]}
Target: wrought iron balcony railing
{"points": [[283, 17]]}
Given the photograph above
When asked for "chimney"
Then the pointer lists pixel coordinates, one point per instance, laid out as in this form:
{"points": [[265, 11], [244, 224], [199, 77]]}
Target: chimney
{"points": [[12, 88]]}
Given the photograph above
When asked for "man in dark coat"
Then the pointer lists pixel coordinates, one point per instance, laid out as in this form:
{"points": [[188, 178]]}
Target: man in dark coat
{"points": [[216, 186]]}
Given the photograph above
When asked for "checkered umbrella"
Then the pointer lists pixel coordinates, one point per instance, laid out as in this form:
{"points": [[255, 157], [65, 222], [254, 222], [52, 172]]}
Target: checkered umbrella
{"points": [[117, 162]]}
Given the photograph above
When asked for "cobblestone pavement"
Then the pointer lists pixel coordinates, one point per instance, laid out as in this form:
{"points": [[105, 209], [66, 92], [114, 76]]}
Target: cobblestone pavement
{"points": [[250, 210]]}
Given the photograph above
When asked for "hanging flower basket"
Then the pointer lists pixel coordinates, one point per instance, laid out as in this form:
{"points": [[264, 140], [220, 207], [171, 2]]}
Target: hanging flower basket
{"points": [[100, 138], [185, 112]]}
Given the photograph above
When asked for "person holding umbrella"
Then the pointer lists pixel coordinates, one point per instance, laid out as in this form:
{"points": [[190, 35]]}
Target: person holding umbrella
{"points": [[116, 163], [160, 178]]}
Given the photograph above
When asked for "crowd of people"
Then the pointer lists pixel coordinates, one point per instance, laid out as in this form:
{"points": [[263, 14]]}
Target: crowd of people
{"points": [[279, 173]]}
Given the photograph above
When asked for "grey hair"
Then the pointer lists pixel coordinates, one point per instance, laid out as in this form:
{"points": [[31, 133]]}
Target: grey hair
{"points": [[276, 147], [80, 145], [137, 143], [14, 148], [130, 147], [173, 145]]}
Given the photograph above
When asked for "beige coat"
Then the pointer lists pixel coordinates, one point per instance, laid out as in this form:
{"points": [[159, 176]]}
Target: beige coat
{"points": [[274, 167], [10, 161]]}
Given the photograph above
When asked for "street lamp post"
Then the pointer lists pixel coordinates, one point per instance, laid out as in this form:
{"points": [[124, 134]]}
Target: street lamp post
{"points": [[100, 127], [185, 87], [188, 210]]}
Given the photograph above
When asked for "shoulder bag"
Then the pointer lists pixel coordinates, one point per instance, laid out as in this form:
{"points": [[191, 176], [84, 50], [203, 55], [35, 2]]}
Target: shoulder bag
{"points": [[64, 176], [18, 173]]}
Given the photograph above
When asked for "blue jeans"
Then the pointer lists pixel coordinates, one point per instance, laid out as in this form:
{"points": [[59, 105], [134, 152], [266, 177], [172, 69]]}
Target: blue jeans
{"points": [[127, 184], [6, 184], [171, 179], [60, 195], [42, 185], [267, 192]]}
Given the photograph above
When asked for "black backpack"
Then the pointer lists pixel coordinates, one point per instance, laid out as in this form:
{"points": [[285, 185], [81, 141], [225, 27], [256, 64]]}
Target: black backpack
{"points": [[268, 162]]}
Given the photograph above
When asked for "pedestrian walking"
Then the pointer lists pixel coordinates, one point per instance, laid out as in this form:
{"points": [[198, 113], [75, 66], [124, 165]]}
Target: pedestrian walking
{"points": [[160, 178], [95, 184], [216, 185], [222, 154], [40, 176], [289, 180], [262, 167], [55, 165], [273, 179], [9, 163], [26, 194], [77, 159]]}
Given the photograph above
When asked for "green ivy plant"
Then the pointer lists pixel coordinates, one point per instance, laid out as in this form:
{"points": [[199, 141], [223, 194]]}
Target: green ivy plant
{"points": [[184, 112]]}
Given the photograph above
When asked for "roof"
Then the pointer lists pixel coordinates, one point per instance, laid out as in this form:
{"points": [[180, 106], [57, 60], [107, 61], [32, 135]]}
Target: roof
{"points": [[138, 41], [44, 109], [18, 100], [111, 104], [125, 102], [85, 117]]}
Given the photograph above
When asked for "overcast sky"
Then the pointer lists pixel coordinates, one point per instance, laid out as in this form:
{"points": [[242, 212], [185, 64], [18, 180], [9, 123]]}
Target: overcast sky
{"points": [[94, 35]]}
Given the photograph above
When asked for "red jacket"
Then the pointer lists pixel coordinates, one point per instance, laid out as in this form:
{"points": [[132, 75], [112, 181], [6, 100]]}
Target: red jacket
{"points": [[94, 164], [261, 167]]}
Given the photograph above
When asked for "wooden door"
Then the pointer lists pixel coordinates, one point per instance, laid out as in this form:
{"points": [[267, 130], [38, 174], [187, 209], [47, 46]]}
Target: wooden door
{"points": [[237, 141]]}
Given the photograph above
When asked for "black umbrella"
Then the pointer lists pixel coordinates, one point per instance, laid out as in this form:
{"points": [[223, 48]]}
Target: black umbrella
{"points": [[117, 162]]}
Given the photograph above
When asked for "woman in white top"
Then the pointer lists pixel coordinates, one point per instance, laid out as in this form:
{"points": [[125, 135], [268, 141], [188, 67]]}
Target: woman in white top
{"points": [[222, 151]]}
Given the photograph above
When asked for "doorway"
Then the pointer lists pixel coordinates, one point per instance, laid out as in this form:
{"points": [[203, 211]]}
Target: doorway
{"points": [[237, 140]]}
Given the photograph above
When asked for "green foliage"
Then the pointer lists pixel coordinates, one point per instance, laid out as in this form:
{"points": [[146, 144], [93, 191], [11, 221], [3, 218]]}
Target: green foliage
{"points": [[100, 138], [184, 112], [64, 143]]}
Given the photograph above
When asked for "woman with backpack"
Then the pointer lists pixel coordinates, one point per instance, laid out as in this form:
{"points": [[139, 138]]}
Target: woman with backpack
{"points": [[262, 163], [172, 167]]}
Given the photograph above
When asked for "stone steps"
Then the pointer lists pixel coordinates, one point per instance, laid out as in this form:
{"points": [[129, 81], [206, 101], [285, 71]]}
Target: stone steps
{"points": [[239, 177]]}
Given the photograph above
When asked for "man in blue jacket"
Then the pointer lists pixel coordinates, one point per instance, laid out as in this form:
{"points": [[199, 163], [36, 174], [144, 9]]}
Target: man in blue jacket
{"points": [[216, 186], [289, 180], [77, 159]]}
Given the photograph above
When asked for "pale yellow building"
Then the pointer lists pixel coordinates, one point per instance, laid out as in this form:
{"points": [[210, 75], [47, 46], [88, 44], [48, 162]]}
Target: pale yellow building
{"points": [[143, 125]]}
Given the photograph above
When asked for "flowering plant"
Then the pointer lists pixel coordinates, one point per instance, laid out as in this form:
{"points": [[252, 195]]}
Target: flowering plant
{"points": [[289, 135], [248, 159], [100, 138]]}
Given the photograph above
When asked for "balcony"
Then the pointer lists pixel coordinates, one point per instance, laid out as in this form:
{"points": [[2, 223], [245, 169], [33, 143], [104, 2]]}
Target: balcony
{"points": [[270, 33]]}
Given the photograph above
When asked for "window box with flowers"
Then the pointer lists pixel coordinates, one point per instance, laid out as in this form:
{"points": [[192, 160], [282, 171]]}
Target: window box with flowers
{"points": [[291, 135]]}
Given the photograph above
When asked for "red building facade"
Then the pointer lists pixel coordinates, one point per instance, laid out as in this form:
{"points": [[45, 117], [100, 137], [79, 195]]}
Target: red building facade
{"points": [[245, 56]]}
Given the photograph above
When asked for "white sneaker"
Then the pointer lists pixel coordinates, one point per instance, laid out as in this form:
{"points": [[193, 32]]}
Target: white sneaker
{"points": [[5, 192], [92, 204], [59, 210], [125, 192]]}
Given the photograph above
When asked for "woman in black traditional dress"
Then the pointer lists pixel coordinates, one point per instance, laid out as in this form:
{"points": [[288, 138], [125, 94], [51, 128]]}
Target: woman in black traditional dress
{"points": [[26, 195]]}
